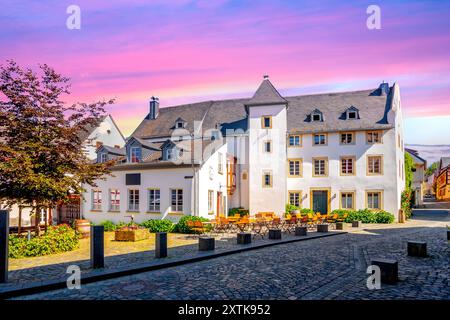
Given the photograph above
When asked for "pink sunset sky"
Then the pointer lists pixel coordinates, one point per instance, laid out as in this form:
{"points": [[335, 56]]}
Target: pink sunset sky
{"points": [[185, 51]]}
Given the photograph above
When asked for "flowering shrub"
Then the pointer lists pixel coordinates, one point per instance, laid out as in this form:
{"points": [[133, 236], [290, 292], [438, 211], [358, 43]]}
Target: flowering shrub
{"points": [[57, 239], [407, 202]]}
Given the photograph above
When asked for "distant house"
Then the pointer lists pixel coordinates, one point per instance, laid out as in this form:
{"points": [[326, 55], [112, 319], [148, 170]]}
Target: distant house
{"points": [[419, 178], [442, 179], [322, 151]]}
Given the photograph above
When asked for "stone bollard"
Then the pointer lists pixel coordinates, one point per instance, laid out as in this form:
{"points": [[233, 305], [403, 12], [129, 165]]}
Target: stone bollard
{"points": [[388, 268], [275, 234], [339, 226], [206, 244], [244, 238], [417, 249], [301, 231], [4, 242], [97, 247], [322, 228], [356, 224], [160, 244], [448, 234]]}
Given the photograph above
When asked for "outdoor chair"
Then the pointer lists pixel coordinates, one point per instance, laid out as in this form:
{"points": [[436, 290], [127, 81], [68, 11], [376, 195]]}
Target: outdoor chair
{"points": [[289, 224], [342, 218]]}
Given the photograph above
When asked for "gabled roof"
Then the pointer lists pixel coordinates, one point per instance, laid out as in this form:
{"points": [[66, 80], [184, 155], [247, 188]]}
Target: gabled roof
{"points": [[373, 110], [144, 143], [415, 155], [445, 162], [266, 95], [113, 150]]}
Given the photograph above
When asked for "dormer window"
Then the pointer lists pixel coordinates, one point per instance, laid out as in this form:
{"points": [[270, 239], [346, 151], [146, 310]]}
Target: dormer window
{"points": [[103, 157], [179, 125], [316, 116], [351, 113], [135, 154]]}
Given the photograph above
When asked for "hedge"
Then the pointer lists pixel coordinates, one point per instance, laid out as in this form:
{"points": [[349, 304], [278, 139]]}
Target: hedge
{"points": [[57, 239], [366, 216]]}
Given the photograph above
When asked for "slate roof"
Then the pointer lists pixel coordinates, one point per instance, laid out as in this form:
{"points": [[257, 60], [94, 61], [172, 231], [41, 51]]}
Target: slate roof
{"points": [[445, 162], [113, 150], [415, 155], [373, 110], [266, 94]]}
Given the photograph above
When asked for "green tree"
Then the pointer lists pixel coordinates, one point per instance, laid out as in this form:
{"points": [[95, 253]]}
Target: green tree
{"points": [[41, 156], [432, 168], [409, 170]]}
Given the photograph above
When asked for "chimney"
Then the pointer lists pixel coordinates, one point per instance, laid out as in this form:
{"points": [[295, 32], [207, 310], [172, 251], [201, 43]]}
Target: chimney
{"points": [[154, 108], [384, 89]]}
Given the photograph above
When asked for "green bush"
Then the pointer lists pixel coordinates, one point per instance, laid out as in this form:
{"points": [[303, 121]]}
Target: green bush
{"points": [[290, 207], [306, 211], [108, 225], [407, 199], [181, 226], [238, 211], [155, 225], [341, 212], [369, 216], [57, 239]]}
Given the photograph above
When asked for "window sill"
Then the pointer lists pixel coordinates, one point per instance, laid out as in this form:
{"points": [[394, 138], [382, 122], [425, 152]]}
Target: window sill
{"points": [[113, 211], [153, 212], [176, 213], [132, 211], [96, 210]]}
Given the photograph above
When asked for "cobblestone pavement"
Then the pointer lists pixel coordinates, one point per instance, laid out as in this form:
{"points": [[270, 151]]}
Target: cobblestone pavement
{"points": [[326, 268], [117, 255]]}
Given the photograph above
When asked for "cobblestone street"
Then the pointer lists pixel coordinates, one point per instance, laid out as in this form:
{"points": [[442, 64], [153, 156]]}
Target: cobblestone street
{"points": [[326, 268]]}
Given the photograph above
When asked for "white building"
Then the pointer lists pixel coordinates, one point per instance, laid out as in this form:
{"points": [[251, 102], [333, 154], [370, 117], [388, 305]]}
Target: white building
{"points": [[419, 178], [322, 151]]}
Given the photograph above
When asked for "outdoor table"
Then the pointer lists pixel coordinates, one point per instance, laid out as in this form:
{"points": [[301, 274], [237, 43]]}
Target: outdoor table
{"points": [[242, 225]]}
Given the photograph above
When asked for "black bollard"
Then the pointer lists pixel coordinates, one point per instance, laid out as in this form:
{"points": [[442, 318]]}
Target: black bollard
{"points": [[97, 247], [4, 239], [161, 245]]}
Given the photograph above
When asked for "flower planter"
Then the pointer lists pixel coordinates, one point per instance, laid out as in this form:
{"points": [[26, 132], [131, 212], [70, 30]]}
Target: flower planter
{"points": [[83, 227], [131, 235]]}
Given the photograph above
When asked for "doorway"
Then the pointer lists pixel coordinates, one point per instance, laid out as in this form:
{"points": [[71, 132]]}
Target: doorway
{"points": [[319, 199]]}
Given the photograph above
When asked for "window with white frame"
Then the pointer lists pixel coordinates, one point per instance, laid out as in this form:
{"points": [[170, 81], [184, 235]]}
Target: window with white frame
{"points": [[373, 137], [135, 154], [267, 146], [103, 157], [347, 138], [374, 199], [219, 162], [114, 200], [320, 167], [267, 179], [347, 200], [295, 198], [294, 140], [96, 199], [176, 200], [210, 201], [347, 165], [295, 166], [154, 200], [374, 165], [133, 200], [320, 139]]}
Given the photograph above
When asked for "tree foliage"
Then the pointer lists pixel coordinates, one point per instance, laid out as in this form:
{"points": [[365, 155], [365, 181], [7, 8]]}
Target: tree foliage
{"points": [[431, 169], [41, 155], [409, 166]]}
